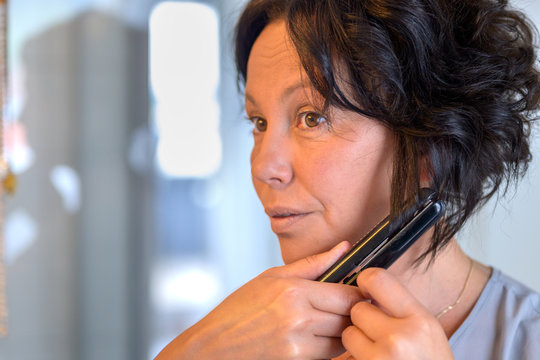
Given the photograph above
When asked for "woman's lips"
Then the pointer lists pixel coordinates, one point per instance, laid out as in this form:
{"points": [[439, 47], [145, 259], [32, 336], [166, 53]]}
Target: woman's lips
{"points": [[282, 220]]}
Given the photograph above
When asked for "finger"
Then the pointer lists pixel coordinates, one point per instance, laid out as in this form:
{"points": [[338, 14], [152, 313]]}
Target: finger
{"points": [[333, 298], [371, 320], [357, 343], [313, 266], [345, 356], [329, 325], [379, 285]]}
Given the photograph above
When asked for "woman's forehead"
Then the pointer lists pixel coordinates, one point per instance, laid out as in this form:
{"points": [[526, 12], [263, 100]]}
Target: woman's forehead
{"points": [[274, 63], [273, 50]]}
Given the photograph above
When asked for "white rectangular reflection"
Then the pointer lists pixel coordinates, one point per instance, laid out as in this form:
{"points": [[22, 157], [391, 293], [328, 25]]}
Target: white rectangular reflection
{"points": [[184, 76]]}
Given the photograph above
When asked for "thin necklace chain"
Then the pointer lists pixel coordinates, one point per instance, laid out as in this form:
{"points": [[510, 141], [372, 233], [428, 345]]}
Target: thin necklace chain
{"points": [[458, 300]]}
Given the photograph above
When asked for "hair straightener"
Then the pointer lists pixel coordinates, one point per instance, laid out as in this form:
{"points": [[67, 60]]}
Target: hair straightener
{"points": [[387, 241]]}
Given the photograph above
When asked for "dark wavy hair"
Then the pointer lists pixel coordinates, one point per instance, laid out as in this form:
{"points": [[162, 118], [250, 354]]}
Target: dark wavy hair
{"points": [[455, 80]]}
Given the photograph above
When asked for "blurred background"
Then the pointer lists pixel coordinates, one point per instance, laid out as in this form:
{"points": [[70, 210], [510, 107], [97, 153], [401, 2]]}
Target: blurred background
{"points": [[135, 213]]}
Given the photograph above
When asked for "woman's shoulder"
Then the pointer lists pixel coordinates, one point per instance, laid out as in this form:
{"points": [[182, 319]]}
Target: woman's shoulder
{"points": [[504, 323], [514, 292]]}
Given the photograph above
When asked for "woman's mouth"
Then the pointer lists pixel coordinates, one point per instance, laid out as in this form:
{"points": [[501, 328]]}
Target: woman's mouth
{"points": [[284, 215], [282, 220]]}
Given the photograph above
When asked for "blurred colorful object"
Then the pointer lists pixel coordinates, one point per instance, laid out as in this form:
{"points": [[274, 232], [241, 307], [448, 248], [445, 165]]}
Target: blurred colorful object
{"points": [[8, 178]]}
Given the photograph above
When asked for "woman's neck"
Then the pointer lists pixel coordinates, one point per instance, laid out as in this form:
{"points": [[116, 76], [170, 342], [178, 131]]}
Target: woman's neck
{"points": [[437, 285]]}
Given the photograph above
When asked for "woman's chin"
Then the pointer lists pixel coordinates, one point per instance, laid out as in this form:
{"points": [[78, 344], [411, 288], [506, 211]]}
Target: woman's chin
{"points": [[296, 249], [291, 253]]}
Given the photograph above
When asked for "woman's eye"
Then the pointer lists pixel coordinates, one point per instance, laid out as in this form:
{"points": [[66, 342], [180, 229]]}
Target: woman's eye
{"points": [[260, 124], [312, 119]]}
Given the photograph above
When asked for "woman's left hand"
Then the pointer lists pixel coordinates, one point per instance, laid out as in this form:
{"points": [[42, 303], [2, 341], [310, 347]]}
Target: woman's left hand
{"points": [[393, 324]]}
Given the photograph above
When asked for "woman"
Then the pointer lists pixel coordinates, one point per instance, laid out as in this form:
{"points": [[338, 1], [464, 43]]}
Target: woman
{"points": [[355, 106]]}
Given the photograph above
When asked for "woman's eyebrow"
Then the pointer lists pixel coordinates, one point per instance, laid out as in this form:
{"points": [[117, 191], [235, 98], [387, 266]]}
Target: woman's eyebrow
{"points": [[286, 92], [250, 99]]}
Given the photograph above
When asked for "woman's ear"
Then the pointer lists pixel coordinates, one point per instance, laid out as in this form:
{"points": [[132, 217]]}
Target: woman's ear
{"points": [[426, 171]]}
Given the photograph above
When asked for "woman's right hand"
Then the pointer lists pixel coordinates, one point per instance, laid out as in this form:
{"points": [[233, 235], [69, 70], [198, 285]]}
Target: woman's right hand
{"points": [[280, 314]]}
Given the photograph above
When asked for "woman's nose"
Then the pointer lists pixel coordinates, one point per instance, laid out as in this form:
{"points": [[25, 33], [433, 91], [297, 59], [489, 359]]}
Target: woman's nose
{"points": [[271, 160]]}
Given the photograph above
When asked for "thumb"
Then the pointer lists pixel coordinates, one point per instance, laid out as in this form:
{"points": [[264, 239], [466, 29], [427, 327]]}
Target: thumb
{"points": [[313, 266]]}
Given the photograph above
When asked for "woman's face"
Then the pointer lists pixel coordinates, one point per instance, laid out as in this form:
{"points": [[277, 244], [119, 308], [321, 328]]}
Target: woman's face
{"points": [[322, 178]]}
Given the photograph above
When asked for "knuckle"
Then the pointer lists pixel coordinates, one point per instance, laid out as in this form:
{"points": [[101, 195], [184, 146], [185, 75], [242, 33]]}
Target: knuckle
{"points": [[348, 336], [295, 324], [289, 291], [289, 349], [271, 272], [348, 333], [429, 328], [352, 297], [358, 309], [423, 326], [288, 297], [396, 346], [373, 276]]}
